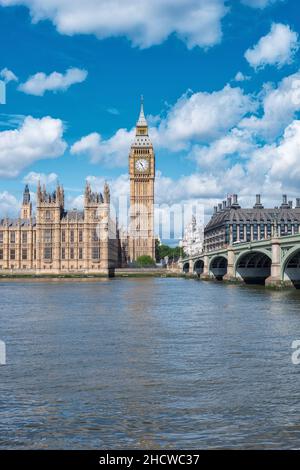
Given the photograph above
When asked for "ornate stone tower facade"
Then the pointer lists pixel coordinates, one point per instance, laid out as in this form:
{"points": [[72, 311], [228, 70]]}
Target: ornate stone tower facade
{"points": [[49, 212], [142, 176], [26, 209]]}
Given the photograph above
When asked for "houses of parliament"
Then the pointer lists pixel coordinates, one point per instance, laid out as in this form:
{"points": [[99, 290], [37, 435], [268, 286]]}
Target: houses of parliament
{"points": [[57, 241]]}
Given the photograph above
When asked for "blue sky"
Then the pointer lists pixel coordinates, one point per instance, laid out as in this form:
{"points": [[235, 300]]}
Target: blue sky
{"points": [[213, 134]]}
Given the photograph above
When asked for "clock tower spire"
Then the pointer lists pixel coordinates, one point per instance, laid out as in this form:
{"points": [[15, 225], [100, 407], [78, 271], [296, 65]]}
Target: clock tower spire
{"points": [[142, 176], [142, 122]]}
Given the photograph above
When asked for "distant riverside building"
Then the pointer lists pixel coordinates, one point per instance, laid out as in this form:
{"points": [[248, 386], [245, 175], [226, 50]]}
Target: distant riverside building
{"points": [[60, 241], [192, 242], [230, 223]]}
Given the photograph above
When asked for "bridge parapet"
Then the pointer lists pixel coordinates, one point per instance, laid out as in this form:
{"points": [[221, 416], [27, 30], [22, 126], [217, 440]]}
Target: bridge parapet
{"points": [[272, 261]]}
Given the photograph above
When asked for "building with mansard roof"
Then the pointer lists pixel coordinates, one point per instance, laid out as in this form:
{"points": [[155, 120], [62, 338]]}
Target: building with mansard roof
{"points": [[232, 224], [56, 241]]}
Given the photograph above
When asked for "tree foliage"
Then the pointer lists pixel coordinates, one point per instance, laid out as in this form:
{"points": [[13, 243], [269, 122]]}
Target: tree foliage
{"points": [[145, 261], [164, 250]]}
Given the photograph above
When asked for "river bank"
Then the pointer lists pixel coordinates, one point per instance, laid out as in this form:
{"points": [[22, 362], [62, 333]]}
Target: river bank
{"points": [[131, 273]]}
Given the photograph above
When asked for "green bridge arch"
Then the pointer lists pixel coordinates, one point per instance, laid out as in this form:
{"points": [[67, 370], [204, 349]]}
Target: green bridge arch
{"points": [[287, 258], [253, 251]]}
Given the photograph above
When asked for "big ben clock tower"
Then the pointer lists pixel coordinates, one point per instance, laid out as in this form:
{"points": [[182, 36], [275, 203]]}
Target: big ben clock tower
{"points": [[142, 175]]}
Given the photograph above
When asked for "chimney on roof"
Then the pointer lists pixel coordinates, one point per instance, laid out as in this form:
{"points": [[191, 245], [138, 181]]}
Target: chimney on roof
{"points": [[224, 205], [284, 201], [258, 204], [291, 204], [215, 209], [229, 200], [298, 203], [220, 207], [235, 203]]}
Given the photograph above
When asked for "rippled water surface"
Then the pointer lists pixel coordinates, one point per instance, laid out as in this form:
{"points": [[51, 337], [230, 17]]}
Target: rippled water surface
{"points": [[148, 363]]}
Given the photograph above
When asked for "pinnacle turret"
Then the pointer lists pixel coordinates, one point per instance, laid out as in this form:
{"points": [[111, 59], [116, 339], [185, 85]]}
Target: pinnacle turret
{"points": [[26, 195], [106, 193], [141, 134]]}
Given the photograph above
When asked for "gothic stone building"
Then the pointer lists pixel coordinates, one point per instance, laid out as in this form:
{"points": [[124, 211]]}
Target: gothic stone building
{"points": [[56, 241], [232, 224]]}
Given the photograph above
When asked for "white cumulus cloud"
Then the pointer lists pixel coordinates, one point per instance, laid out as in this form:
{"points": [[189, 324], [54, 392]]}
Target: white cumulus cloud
{"points": [[39, 83], [241, 143], [32, 178], [276, 48], [9, 205], [286, 164], [237, 143], [143, 22], [197, 117], [240, 77], [280, 105], [203, 117], [112, 152], [8, 76], [34, 140]]}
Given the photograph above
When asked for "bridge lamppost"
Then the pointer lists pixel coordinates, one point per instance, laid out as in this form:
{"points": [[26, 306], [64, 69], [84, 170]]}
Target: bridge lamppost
{"points": [[274, 278], [275, 229]]}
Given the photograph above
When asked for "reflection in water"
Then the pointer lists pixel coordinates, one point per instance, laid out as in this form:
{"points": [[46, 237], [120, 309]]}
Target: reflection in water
{"points": [[148, 363]]}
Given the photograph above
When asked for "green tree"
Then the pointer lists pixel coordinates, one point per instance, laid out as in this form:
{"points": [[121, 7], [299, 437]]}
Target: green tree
{"points": [[177, 252], [164, 250], [145, 261]]}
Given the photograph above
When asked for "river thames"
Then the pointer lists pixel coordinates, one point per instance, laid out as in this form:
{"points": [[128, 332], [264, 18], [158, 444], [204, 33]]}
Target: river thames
{"points": [[148, 363]]}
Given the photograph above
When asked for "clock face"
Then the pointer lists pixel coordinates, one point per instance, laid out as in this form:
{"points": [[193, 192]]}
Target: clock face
{"points": [[142, 165]]}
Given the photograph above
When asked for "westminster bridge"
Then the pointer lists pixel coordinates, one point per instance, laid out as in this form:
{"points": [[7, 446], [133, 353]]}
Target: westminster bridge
{"points": [[274, 262]]}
